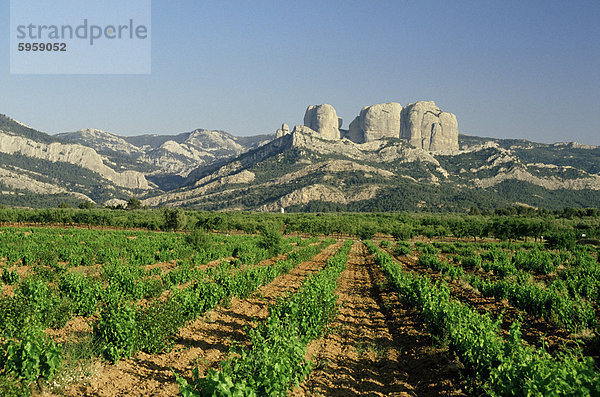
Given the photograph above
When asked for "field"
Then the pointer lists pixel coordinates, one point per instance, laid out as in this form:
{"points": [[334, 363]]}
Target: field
{"points": [[137, 312]]}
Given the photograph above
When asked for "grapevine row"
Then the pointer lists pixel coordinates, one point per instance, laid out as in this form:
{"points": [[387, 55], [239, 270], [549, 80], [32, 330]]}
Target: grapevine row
{"points": [[275, 362], [510, 367], [124, 328]]}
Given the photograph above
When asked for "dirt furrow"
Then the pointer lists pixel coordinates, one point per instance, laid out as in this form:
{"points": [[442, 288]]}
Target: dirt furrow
{"points": [[204, 343], [376, 347]]}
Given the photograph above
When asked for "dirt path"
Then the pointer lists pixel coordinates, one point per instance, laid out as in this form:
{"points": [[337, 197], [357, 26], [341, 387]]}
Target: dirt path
{"points": [[376, 346], [204, 343]]}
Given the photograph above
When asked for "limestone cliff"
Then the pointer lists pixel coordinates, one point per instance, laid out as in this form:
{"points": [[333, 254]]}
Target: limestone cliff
{"points": [[78, 155], [284, 130]]}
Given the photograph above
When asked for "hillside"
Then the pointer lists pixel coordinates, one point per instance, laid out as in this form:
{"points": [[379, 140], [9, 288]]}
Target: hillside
{"points": [[302, 171], [37, 169]]}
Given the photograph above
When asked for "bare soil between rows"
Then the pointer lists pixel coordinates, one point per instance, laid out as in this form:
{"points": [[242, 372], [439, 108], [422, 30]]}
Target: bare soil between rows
{"points": [[376, 346]]}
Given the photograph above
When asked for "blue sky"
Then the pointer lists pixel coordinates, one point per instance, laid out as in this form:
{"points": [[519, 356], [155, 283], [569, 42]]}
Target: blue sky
{"points": [[518, 69]]}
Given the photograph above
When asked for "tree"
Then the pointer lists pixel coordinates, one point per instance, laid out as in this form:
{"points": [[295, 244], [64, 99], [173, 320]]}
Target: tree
{"points": [[86, 205], [134, 204], [402, 231], [561, 239], [270, 239], [174, 218], [366, 231]]}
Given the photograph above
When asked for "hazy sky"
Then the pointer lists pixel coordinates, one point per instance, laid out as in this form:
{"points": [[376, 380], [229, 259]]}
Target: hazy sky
{"points": [[519, 69]]}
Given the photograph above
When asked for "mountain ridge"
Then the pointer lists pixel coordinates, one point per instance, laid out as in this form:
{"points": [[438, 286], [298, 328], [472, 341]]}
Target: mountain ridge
{"points": [[394, 158], [384, 167]]}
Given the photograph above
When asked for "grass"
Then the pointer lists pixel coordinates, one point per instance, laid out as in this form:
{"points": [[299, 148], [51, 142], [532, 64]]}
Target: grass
{"points": [[80, 360], [370, 347]]}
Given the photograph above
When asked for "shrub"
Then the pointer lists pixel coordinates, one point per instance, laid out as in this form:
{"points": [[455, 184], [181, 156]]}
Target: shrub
{"points": [[270, 239], [116, 331], [561, 240], [428, 249], [403, 232], [10, 277], [157, 326], [81, 291], [32, 357], [174, 218], [402, 248], [199, 240], [134, 204], [385, 244], [366, 231]]}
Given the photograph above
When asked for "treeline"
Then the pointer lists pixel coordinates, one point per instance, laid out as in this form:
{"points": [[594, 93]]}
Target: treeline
{"points": [[561, 227]]}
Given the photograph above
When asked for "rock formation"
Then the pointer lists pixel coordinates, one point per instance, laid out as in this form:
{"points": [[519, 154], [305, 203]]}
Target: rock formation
{"points": [[376, 122], [423, 124], [426, 127], [284, 130], [324, 120]]}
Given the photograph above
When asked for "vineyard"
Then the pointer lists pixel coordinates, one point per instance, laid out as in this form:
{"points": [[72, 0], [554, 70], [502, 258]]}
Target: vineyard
{"points": [[197, 313]]}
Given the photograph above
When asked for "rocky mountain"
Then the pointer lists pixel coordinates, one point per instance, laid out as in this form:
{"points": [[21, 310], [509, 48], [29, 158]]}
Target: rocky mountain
{"points": [[165, 155], [165, 160], [99, 166], [36, 168], [324, 120], [391, 158]]}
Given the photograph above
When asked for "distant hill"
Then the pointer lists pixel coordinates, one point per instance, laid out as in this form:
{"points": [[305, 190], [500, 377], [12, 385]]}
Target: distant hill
{"points": [[39, 169], [20, 129], [164, 156]]}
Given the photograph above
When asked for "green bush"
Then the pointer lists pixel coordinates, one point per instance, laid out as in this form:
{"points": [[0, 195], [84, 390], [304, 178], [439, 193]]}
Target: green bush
{"points": [[16, 315], [428, 249], [403, 231], [564, 239], [271, 239], [174, 219], [366, 231], [402, 248], [81, 291], [116, 331], [44, 306], [10, 277], [157, 326], [540, 262], [30, 357], [199, 240]]}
